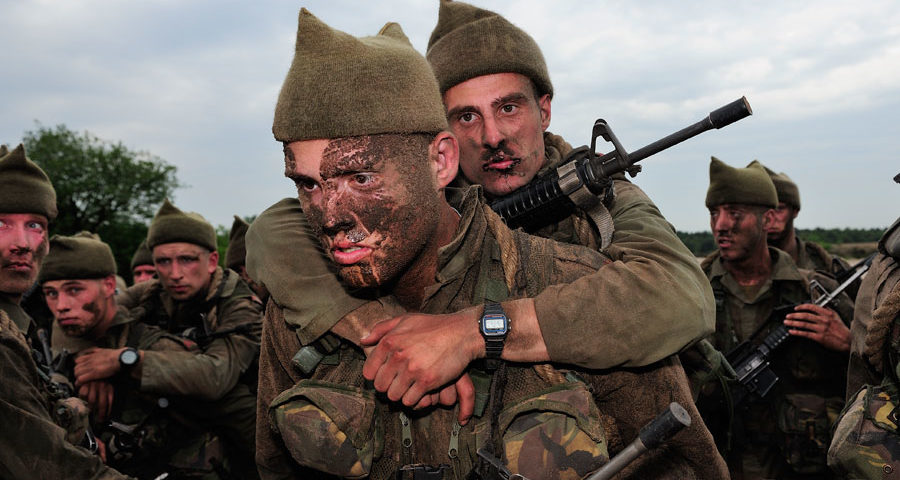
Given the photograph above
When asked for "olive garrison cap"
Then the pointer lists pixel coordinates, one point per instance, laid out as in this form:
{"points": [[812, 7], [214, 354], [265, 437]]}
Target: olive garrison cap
{"points": [[171, 225], [749, 186], [786, 188], [342, 86], [142, 256], [469, 42], [24, 187], [236, 253], [82, 255]]}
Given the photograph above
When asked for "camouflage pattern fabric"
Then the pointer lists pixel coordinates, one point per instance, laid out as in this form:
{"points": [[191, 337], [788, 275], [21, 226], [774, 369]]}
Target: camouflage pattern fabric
{"points": [[562, 421], [339, 420], [866, 442]]}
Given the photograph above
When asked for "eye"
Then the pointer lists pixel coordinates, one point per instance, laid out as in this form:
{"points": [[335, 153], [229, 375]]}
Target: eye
{"points": [[162, 261], [509, 108], [363, 178], [305, 185], [466, 118], [51, 294]]}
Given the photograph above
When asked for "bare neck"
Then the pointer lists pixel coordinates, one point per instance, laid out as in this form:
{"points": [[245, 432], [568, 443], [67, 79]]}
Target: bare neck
{"points": [[752, 270], [788, 243], [410, 288]]}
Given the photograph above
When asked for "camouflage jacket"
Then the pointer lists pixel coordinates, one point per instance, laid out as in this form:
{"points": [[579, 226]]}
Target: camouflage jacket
{"points": [[31, 445], [805, 368], [654, 298], [470, 271]]}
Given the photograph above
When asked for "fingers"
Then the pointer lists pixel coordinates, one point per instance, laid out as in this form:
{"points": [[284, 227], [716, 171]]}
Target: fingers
{"points": [[465, 392], [379, 330]]}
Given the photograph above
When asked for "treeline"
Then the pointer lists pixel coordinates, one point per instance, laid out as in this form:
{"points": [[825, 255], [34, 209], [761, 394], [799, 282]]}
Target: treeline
{"points": [[702, 243]]}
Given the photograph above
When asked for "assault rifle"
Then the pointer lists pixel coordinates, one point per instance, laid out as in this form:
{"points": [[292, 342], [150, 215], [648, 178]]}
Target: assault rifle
{"points": [[61, 390], [549, 198], [754, 373]]}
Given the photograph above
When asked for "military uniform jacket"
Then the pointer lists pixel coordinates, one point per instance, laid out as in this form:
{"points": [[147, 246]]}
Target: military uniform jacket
{"points": [[651, 300], [227, 304], [31, 445], [803, 366], [627, 398]]}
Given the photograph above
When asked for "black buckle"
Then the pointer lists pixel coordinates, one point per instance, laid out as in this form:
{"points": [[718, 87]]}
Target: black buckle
{"points": [[420, 471]]}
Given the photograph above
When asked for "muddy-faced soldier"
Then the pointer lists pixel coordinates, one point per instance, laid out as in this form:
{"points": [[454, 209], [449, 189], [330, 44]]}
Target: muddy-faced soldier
{"points": [[31, 444], [371, 164]]}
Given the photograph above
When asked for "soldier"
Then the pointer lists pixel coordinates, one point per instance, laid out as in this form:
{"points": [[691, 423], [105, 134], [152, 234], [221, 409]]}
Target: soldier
{"points": [[785, 434], [371, 174], [236, 254], [142, 268], [651, 301], [31, 444], [143, 431], [195, 298], [866, 443]]}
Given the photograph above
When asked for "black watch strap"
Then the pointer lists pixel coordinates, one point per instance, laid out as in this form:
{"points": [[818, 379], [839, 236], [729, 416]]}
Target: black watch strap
{"points": [[493, 344]]}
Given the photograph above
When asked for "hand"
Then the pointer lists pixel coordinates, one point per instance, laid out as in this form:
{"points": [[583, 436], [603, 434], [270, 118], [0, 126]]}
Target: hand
{"points": [[99, 396], [96, 364], [820, 324], [417, 354], [463, 391], [101, 450]]}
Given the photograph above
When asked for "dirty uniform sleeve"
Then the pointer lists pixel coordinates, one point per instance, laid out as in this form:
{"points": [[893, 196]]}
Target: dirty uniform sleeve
{"points": [[653, 300], [214, 371], [272, 460], [303, 283], [31, 445]]}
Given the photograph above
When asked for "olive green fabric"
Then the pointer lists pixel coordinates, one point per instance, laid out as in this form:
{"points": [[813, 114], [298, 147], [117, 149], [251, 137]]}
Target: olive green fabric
{"points": [[791, 426], [31, 445], [171, 225], [627, 399], [342, 86], [469, 42], [142, 255], [748, 186], [236, 252], [24, 187], [785, 187], [79, 256]]}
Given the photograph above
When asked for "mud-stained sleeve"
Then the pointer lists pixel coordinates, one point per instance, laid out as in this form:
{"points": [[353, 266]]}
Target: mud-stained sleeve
{"points": [[214, 371], [31, 445], [272, 459], [633, 397], [652, 301], [302, 282]]}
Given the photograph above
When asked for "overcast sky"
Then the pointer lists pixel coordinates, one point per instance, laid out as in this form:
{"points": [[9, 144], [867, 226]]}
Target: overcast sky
{"points": [[195, 83]]}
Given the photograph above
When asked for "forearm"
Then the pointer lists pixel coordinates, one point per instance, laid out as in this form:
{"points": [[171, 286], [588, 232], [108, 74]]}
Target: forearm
{"points": [[650, 302], [207, 375]]}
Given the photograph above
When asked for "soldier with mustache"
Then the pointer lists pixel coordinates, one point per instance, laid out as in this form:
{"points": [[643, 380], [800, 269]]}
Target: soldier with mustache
{"points": [[651, 301], [371, 156], [32, 445]]}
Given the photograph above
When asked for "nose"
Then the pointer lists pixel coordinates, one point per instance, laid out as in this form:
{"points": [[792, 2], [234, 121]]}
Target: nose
{"points": [[491, 135], [19, 238], [721, 223], [336, 214]]}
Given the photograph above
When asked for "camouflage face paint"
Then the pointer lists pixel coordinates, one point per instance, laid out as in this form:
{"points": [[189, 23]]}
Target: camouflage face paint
{"points": [[379, 206]]}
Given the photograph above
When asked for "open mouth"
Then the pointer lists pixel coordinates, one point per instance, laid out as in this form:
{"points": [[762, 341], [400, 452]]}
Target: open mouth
{"points": [[349, 254], [501, 163]]}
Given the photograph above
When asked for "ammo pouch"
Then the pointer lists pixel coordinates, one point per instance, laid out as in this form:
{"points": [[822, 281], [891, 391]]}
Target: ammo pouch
{"points": [[866, 441], [804, 421], [329, 427], [554, 433]]}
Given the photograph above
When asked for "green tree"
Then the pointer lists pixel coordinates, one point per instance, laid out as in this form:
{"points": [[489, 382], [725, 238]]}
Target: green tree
{"points": [[101, 186]]}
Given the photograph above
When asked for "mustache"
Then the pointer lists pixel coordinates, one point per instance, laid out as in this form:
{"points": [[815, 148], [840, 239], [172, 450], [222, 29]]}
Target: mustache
{"points": [[498, 154]]}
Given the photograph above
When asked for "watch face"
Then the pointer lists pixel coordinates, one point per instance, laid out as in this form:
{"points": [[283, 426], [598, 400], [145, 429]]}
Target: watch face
{"points": [[493, 324], [129, 357]]}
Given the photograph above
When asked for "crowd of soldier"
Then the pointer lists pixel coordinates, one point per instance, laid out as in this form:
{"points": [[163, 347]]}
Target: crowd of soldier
{"points": [[354, 341]]}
